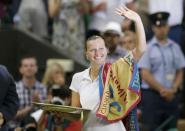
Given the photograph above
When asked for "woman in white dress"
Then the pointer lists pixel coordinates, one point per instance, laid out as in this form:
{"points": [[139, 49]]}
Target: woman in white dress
{"points": [[85, 85]]}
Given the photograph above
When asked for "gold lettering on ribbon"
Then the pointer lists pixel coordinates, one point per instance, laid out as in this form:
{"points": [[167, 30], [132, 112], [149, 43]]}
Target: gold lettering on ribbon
{"points": [[105, 102], [121, 92]]}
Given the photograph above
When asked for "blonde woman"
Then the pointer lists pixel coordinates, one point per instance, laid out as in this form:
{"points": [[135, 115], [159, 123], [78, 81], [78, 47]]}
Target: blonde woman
{"points": [[54, 75], [86, 86]]}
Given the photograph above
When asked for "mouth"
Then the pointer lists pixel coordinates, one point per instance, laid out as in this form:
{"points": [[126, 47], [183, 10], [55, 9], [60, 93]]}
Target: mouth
{"points": [[99, 58]]}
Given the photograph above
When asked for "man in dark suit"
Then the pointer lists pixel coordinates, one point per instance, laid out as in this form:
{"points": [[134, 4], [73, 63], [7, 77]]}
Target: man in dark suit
{"points": [[8, 98]]}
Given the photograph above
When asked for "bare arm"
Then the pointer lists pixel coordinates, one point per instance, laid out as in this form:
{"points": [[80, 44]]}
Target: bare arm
{"points": [[75, 100], [140, 33], [54, 7]]}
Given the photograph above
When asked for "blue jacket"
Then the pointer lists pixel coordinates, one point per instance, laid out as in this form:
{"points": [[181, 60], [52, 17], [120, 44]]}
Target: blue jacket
{"points": [[8, 97]]}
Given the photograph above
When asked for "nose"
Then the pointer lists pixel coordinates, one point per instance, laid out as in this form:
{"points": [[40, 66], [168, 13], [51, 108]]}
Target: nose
{"points": [[97, 52]]}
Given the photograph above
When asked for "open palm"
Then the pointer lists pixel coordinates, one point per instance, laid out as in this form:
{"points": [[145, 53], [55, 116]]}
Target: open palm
{"points": [[124, 11]]}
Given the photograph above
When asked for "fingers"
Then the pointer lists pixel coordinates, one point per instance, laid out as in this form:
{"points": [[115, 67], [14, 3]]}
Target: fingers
{"points": [[127, 9], [118, 11], [122, 11]]}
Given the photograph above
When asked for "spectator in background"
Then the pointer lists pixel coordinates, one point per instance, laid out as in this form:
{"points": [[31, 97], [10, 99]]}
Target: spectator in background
{"points": [[28, 124], [29, 89], [60, 95], [68, 26], [32, 16], [183, 49], [112, 33], [128, 40], [5, 16], [102, 12], [176, 15], [8, 98], [54, 75], [162, 73]]}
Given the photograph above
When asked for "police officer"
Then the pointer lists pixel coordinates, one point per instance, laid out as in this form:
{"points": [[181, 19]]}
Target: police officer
{"points": [[162, 73]]}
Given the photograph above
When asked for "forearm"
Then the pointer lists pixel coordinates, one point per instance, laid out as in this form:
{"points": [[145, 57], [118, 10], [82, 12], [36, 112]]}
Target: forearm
{"points": [[140, 39], [75, 100], [178, 80], [150, 80]]}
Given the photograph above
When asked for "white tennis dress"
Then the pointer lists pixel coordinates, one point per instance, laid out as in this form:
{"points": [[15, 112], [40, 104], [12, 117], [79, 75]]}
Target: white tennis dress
{"points": [[90, 99]]}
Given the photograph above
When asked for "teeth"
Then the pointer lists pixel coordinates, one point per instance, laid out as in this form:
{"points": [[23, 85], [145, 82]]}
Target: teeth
{"points": [[99, 57]]}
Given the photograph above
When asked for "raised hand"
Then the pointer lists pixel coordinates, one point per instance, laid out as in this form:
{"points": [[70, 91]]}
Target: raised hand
{"points": [[124, 11], [140, 33]]}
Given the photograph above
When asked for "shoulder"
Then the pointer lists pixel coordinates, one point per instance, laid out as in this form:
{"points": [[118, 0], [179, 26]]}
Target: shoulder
{"points": [[4, 72], [80, 74], [3, 69], [151, 43], [174, 45]]}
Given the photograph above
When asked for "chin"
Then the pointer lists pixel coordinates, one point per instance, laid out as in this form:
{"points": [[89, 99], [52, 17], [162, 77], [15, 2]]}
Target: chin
{"points": [[100, 63]]}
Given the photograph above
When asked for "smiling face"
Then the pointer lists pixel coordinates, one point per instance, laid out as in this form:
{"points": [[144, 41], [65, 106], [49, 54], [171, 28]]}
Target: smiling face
{"points": [[96, 52]]}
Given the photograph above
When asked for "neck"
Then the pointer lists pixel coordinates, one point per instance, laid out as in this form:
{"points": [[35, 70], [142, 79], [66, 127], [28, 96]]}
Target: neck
{"points": [[29, 81], [94, 71], [162, 41]]}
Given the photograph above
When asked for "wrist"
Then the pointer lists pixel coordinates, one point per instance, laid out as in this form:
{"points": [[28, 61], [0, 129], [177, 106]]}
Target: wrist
{"points": [[137, 19]]}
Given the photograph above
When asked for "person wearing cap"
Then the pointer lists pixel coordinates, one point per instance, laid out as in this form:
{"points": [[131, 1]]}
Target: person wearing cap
{"points": [[175, 9], [112, 33], [162, 73]]}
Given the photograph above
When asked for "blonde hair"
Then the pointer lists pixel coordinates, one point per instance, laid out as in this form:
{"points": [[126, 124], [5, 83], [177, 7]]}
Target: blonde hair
{"points": [[49, 70]]}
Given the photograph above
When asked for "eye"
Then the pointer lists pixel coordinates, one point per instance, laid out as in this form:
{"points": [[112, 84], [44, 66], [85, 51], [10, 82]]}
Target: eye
{"points": [[101, 49], [92, 50]]}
